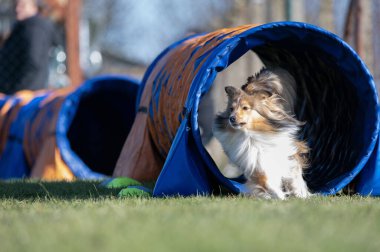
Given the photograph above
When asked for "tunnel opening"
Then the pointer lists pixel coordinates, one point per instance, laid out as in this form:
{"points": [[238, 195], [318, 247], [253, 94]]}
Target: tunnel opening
{"points": [[101, 122], [329, 99]]}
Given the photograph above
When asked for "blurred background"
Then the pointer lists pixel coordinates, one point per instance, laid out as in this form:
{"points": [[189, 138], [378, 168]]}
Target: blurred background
{"points": [[124, 36]]}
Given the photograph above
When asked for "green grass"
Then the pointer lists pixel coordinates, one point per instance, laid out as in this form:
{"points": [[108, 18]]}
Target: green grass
{"points": [[81, 216]]}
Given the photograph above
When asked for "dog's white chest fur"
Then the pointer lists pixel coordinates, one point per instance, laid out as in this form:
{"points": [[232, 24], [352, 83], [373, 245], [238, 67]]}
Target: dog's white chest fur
{"points": [[263, 152], [269, 154]]}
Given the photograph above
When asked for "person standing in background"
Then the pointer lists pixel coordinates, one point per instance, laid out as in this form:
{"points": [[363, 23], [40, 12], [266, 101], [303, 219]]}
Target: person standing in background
{"points": [[24, 56]]}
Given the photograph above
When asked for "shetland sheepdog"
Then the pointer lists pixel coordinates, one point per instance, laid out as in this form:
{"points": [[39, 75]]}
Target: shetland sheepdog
{"points": [[258, 132]]}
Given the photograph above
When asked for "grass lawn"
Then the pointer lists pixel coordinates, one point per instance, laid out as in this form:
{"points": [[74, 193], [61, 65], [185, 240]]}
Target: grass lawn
{"points": [[81, 216]]}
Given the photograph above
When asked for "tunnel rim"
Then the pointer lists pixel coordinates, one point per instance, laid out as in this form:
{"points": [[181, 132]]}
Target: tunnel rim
{"points": [[206, 76], [66, 115]]}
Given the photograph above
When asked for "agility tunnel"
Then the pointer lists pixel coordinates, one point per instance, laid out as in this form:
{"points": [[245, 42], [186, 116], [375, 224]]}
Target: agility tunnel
{"points": [[70, 133], [15, 112], [336, 98]]}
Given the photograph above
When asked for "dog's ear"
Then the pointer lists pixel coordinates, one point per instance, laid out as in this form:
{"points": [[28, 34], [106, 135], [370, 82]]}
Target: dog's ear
{"points": [[274, 86], [231, 91], [249, 88], [264, 81]]}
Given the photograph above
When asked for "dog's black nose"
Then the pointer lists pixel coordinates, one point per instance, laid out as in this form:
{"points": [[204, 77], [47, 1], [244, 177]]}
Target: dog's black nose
{"points": [[232, 119]]}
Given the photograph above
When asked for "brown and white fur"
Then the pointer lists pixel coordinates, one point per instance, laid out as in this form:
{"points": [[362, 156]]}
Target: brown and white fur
{"points": [[258, 132]]}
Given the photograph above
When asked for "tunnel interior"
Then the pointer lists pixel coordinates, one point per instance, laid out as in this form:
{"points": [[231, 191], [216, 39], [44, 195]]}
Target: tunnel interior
{"points": [[327, 102], [101, 123]]}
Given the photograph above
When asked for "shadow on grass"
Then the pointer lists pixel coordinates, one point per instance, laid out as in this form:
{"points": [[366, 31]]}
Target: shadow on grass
{"points": [[29, 189]]}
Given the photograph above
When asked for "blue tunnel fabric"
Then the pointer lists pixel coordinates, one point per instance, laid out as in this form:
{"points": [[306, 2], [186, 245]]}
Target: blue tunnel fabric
{"points": [[3, 100], [368, 181], [13, 163], [93, 124], [341, 93]]}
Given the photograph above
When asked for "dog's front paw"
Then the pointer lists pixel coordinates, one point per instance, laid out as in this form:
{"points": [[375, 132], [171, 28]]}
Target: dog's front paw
{"points": [[303, 194], [262, 195], [259, 192]]}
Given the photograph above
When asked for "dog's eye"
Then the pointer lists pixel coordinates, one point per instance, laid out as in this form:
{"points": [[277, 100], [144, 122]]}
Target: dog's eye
{"points": [[245, 108], [231, 109]]}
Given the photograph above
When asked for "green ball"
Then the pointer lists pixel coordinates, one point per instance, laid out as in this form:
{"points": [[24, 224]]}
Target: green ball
{"points": [[134, 192], [122, 182]]}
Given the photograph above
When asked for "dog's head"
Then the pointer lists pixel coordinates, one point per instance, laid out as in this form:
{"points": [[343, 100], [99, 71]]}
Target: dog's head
{"points": [[258, 106]]}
